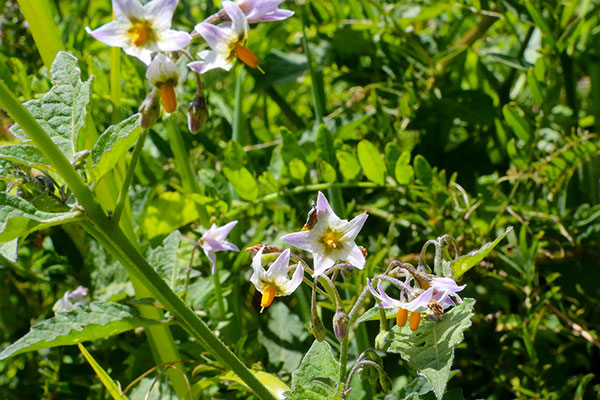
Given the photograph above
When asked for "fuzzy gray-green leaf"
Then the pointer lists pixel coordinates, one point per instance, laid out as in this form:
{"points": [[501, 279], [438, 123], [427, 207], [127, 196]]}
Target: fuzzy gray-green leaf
{"points": [[25, 154], [114, 143], [61, 111], [97, 321], [430, 349], [315, 378]]}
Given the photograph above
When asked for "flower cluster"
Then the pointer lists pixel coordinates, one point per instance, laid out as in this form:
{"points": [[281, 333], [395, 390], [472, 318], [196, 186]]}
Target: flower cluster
{"points": [[141, 30]]}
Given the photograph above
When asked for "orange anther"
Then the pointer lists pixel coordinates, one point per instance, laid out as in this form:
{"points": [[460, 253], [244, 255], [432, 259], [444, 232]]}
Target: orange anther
{"points": [[247, 56], [401, 317], [267, 297], [415, 320], [139, 35], [169, 101]]}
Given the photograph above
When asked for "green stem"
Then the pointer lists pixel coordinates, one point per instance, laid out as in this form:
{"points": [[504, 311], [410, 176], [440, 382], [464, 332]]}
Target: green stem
{"points": [[125, 251], [318, 101], [124, 193], [238, 118], [343, 359], [43, 29], [219, 294]]}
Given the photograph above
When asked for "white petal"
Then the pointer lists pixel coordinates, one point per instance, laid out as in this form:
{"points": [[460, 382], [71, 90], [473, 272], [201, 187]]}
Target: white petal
{"points": [[143, 54], [280, 266], [325, 213], [160, 12], [217, 37], [213, 259], [295, 281], [223, 231], [257, 262], [322, 263], [305, 240], [355, 257], [127, 9], [420, 303], [171, 40], [112, 34], [354, 227], [239, 23]]}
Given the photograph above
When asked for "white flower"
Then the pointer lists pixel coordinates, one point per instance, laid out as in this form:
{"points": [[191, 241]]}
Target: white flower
{"points": [[330, 238], [78, 297], [213, 240], [163, 74], [263, 10], [142, 30], [275, 281], [228, 42]]}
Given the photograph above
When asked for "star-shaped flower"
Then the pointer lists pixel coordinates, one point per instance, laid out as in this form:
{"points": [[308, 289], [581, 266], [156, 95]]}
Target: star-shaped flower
{"points": [[163, 74], [142, 30], [263, 10], [228, 42], [329, 238], [78, 297], [435, 296], [275, 281], [213, 240]]}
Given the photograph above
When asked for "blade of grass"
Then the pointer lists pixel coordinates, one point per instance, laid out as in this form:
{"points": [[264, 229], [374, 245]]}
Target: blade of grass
{"points": [[113, 389]]}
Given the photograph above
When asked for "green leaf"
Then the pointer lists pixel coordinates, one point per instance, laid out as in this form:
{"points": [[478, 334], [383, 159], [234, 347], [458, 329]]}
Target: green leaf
{"points": [[430, 349], [371, 162], [423, 170], [18, 217], [8, 170], [464, 263], [515, 118], [235, 156], [392, 154], [297, 169], [324, 145], [348, 165], [26, 154], [372, 314], [243, 182], [327, 172], [290, 148], [99, 320], [402, 171], [318, 367], [111, 387], [113, 144], [9, 249], [164, 259], [61, 112]]}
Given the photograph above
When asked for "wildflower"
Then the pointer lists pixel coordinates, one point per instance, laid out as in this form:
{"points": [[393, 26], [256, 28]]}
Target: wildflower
{"points": [[142, 30], [329, 238], [163, 74], [275, 281], [263, 10], [340, 323], [434, 296], [228, 42], [78, 297], [213, 240]]}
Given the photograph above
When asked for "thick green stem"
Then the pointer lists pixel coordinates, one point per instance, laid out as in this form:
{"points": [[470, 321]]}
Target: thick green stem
{"points": [[124, 193], [343, 359], [125, 251]]}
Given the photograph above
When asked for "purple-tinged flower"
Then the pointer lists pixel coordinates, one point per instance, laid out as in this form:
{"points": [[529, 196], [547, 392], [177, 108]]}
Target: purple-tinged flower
{"points": [[78, 297], [435, 297], [213, 240], [329, 238], [142, 30], [263, 10], [228, 42], [275, 281]]}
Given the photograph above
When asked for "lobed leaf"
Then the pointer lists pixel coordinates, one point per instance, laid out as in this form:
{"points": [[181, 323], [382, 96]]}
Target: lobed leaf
{"points": [[113, 144], [430, 349], [97, 321], [61, 111], [309, 381], [19, 217]]}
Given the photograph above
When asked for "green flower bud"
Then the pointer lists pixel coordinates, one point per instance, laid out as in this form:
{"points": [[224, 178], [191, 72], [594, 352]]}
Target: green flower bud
{"points": [[149, 110], [317, 328], [380, 341]]}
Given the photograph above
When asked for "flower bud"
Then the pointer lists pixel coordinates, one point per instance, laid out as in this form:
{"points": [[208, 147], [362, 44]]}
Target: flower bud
{"points": [[149, 110], [197, 113], [162, 72], [380, 341], [340, 323], [317, 328]]}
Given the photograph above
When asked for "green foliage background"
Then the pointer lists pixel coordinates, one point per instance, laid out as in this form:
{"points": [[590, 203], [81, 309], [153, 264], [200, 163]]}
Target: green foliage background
{"points": [[436, 117]]}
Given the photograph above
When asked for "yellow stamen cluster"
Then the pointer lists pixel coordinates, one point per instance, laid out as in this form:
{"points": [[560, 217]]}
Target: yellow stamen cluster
{"points": [[139, 33], [331, 240]]}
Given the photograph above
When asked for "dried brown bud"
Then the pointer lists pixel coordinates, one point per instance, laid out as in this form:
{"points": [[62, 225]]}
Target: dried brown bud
{"points": [[197, 113], [436, 308]]}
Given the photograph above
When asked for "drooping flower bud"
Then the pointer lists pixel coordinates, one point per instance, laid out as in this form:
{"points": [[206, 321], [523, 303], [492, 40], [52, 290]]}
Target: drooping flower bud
{"points": [[340, 323], [149, 109], [163, 74], [317, 328], [197, 113], [380, 341]]}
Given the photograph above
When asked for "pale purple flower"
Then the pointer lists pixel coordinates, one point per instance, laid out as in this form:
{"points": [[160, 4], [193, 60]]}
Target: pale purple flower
{"points": [[440, 289], [142, 29], [330, 238], [70, 300], [213, 240], [275, 281], [228, 42], [162, 71], [263, 10]]}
